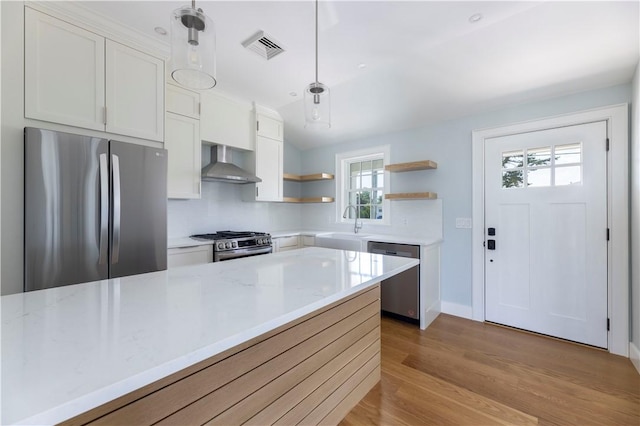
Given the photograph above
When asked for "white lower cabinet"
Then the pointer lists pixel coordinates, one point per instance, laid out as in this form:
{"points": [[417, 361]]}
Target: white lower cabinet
{"points": [[308, 240], [182, 141], [183, 256], [286, 243]]}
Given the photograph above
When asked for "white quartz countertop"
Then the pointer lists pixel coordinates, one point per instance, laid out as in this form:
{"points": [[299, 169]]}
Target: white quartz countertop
{"points": [[187, 242], [69, 349], [387, 238]]}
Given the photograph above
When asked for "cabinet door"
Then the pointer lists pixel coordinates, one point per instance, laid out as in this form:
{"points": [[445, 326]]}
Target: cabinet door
{"points": [[183, 256], [269, 169], [226, 122], [269, 127], [134, 93], [183, 144], [64, 72], [182, 101]]}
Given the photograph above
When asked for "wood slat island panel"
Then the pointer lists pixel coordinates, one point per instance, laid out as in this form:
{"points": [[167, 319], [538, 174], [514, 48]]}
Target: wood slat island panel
{"points": [[335, 349]]}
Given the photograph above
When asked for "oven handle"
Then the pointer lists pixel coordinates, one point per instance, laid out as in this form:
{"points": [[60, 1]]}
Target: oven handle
{"points": [[228, 255]]}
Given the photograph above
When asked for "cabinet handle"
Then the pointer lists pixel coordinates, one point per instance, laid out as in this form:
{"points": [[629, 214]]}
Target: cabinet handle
{"points": [[105, 115], [256, 190], [257, 126]]}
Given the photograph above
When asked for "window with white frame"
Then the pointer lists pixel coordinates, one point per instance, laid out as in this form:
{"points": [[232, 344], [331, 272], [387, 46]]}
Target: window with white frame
{"points": [[362, 183]]}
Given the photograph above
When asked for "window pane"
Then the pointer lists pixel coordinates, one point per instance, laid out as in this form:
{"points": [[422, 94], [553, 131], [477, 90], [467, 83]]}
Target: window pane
{"points": [[568, 154], [378, 179], [512, 159], [539, 157], [571, 175], [377, 209], [366, 166], [365, 212], [354, 183], [353, 198], [354, 168], [377, 165], [512, 179], [366, 180], [538, 177], [377, 197], [365, 197]]}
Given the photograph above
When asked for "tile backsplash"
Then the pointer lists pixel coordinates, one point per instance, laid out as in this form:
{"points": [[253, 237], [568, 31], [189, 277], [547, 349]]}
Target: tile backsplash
{"points": [[221, 208]]}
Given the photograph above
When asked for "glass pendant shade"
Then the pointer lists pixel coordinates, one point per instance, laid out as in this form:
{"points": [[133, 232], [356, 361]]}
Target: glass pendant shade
{"points": [[317, 106], [193, 46]]}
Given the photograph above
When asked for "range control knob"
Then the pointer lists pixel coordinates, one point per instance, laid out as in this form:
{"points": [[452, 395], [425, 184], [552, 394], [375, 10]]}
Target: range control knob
{"points": [[228, 245], [234, 244], [220, 246]]}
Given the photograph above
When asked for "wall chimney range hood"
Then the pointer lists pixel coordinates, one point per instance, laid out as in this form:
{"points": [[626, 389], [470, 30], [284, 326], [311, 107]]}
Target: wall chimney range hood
{"points": [[221, 169]]}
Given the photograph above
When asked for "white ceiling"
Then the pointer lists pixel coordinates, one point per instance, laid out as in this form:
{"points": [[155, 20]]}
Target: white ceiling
{"points": [[425, 62]]}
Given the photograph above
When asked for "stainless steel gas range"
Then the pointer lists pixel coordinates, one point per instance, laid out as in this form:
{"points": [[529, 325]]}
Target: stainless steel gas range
{"points": [[232, 244]]}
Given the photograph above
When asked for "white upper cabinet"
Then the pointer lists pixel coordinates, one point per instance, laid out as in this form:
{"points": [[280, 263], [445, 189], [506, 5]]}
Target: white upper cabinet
{"points": [[226, 122], [269, 168], [269, 127], [134, 93], [183, 144], [182, 101], [72, 78], [64, 72]]}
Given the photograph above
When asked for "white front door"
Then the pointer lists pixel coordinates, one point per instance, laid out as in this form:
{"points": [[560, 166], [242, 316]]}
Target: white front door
{"points": [[546, 206]]}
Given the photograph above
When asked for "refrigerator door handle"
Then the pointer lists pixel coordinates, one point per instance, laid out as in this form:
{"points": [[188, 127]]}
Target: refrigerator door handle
{"points": [[115, 246], [104, 210]]}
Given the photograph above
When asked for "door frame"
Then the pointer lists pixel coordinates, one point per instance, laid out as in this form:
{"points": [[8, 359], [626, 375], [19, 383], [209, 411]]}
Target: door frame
{"points": [[617, 118]]}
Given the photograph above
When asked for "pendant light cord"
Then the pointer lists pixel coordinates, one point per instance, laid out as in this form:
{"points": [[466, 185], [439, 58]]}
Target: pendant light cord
{"points": [[316, 41]]}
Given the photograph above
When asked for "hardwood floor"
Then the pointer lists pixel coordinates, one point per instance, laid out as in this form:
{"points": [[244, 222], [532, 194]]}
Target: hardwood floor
{"points": [[470, 373]]}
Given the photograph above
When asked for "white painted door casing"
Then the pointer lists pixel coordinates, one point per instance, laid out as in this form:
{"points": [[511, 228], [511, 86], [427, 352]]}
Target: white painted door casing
{"points": [[64, 72], [183, 166], [134, 93], [548, 271]]}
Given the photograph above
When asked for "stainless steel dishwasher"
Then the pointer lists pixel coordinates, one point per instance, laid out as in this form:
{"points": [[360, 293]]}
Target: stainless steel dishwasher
{"points": [[400, 294]]}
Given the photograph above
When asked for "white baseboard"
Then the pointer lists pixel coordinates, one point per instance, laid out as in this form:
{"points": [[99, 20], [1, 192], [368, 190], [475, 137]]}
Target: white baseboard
{"points": [[634, 356], [456, 309]]}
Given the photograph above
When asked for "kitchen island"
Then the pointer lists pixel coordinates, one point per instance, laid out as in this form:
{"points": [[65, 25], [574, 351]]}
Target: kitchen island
{"points": [[285, 336]]}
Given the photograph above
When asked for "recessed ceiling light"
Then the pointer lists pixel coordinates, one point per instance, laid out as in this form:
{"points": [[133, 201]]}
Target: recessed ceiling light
{"points": [[362, 65], [475, 18], [160, 30], [294, 94]]}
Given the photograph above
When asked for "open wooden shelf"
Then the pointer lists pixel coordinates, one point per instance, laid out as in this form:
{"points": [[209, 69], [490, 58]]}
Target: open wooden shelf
{"points": [[308, 200], [412, 196], [307, 178], [409, 167]]}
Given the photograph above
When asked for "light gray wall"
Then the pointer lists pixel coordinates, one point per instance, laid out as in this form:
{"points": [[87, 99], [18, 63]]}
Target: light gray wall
{"points": [[449, 144], [222, 208], [635, 211]]}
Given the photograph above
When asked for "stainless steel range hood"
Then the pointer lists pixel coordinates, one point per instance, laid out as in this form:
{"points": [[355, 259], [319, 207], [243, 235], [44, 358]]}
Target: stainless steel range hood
{"points": [[221, 169]]}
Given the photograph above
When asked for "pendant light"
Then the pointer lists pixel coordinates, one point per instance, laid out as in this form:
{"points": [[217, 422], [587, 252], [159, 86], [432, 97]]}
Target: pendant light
{"points": [[193, 45], [317, 103]]}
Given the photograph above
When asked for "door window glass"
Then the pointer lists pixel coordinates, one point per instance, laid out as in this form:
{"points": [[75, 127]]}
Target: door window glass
{"points": [[557, 165]]}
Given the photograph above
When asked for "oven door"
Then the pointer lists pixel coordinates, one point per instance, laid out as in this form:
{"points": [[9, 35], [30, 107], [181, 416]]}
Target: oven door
{"points": [[243, 252]]}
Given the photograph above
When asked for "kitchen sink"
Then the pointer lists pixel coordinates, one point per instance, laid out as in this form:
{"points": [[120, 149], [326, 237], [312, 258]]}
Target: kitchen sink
{"points": [[342, 241]]}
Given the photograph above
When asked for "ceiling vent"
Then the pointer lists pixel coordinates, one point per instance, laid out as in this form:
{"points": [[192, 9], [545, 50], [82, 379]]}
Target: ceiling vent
{"points": [[264, 45]]}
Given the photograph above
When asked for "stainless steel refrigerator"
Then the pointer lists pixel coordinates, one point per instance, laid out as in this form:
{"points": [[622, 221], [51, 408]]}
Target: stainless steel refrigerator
{"points": [[94, 209]]}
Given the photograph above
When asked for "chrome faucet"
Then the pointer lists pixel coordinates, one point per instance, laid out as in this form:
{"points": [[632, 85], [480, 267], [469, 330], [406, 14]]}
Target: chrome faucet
{"points": [[356, 225]]}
